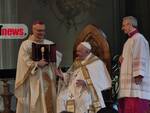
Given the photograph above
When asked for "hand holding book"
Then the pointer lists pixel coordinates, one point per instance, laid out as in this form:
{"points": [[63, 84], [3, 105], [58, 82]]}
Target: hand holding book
{"points": [[42, 63], [45, 52]]}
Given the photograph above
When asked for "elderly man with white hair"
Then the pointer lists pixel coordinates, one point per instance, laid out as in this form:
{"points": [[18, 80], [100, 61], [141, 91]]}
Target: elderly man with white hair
{"points": [[134, 91], [83, 83]]}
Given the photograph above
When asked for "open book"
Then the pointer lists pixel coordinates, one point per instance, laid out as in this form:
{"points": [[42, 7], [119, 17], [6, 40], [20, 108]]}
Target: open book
{"points": [[44, 51]]}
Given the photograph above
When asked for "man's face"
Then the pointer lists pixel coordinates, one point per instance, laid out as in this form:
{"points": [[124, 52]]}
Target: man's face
{"points": [[126, 26], [81, 52], [39, 31]]}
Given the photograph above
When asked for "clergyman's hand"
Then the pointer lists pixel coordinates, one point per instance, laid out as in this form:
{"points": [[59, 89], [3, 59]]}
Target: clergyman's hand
{"points": [[42, 63], [138, 79], [59, 73]]}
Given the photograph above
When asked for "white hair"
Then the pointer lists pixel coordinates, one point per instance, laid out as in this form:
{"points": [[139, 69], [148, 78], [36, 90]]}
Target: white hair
{"points": [[132, 20]]}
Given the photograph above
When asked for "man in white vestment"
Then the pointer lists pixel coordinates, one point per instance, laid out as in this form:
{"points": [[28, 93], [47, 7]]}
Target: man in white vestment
{"points": [[134, 91], [83, 82], [35, 80]]}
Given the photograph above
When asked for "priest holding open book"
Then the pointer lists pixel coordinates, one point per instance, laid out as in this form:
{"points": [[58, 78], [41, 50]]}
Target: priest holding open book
{"points": [[35, 80]]}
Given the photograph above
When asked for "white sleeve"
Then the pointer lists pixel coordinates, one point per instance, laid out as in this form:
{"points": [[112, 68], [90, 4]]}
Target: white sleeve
{"points": [[58, 58], [140, 56]]}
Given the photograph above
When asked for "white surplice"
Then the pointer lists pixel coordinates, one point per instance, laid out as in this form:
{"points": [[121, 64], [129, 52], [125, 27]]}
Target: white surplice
{"points": [[136, 61], [32, 83]]}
